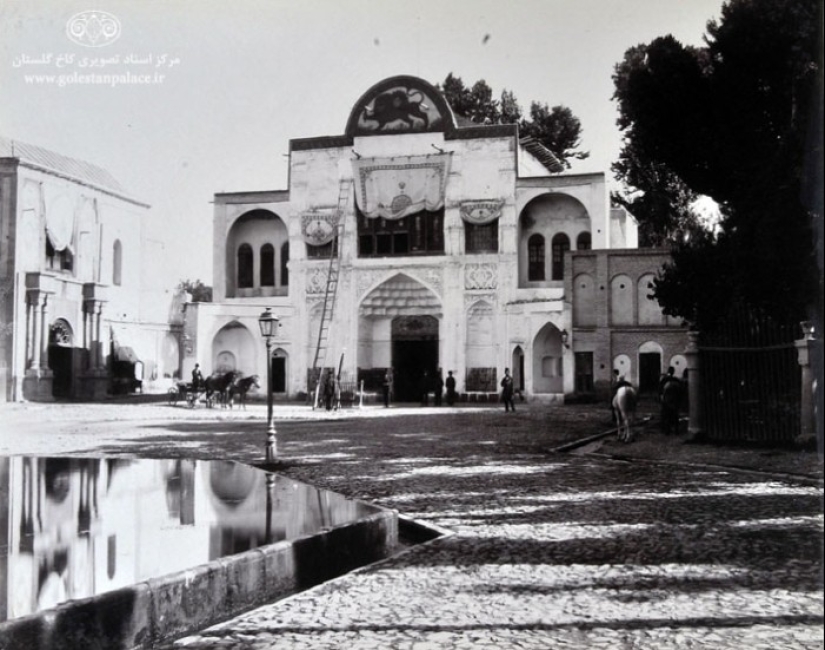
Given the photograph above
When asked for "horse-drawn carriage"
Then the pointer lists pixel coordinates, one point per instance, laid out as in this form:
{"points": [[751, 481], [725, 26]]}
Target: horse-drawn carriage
{"points": [[223, 388], [187, 392]]}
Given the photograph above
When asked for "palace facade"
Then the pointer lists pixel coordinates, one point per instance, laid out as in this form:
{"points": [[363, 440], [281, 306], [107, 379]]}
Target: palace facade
{"points": [[458, 248]]}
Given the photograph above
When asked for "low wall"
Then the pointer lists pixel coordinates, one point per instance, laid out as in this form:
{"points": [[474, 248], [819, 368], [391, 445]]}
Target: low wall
{"points": [[162, 609]]}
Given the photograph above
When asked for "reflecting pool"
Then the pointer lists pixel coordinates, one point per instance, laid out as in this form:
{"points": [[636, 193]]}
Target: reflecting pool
{"points": [[77, 527]]}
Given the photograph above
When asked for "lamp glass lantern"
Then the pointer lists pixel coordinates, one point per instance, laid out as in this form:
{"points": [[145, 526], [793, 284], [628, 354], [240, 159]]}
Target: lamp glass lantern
{"points": [[268, 322]]}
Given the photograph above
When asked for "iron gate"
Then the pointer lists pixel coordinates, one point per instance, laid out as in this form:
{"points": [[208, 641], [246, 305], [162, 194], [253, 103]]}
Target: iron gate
{"points": [[751, 381]]}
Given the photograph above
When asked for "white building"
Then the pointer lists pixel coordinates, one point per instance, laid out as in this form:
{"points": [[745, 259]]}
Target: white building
{"points": [[83, 304], [452, 255]]}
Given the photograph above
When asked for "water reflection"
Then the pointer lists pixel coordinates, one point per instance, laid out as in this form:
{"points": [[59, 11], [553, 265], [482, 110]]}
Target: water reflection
{"points": [[73, 528]]}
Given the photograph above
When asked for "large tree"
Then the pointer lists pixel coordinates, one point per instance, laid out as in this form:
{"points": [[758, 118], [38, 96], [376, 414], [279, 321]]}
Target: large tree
{"points": [[556, 128], [729, 121]]}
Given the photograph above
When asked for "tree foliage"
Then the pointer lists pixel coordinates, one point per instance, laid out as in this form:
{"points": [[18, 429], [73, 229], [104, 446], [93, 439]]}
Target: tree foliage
{"points": [[727, 120], [556, 128], [197, 289]]}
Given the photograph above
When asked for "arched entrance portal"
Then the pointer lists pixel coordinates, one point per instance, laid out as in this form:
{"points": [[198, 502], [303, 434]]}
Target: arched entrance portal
{"points": [[233, 348], [547, 360], [61, 358], [414, 353]]}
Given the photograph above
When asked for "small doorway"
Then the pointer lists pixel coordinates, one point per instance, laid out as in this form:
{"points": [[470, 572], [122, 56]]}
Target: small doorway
{"points": [[518, 369], [414, 355], [278, 372], [650, 368], [61, 356], [583, 362]]}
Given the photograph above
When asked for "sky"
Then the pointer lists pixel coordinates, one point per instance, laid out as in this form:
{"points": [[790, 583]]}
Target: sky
{"points": [[242, 78]]}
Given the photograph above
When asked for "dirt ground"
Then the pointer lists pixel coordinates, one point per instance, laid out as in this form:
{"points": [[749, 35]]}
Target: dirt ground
{"points": [[147, 426]]}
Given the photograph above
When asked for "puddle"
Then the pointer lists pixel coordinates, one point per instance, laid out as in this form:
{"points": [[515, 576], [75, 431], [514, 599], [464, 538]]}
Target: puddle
{"points": [[74, 528]]}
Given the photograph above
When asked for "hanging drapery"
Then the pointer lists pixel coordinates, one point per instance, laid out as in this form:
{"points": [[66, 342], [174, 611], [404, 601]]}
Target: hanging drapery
{"points": [[60, 218], [318, 228], [481, 212], [393, 188]]}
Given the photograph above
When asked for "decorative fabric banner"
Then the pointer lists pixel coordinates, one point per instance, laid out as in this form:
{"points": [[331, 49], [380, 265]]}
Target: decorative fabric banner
{"points": [[481, 212], [318, 228], [60, 217], [393, 188]]}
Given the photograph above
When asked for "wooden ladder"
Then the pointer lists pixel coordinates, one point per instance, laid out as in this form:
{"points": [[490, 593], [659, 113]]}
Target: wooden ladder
{"points": [[333, 271]]}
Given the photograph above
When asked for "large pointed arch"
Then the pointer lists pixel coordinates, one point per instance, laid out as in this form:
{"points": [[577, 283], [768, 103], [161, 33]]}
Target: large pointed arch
{"points": [[234, 348], [399, 327]]}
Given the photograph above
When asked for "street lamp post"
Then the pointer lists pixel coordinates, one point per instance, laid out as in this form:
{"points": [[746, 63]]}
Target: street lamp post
{"points": [[268, 323]]}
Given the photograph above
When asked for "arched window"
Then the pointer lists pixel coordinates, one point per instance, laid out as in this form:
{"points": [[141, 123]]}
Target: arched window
{"points": [[560, 244], [535, 258], [245, 272], [284, 262], [267, 265], [583, 241], [117, 263]]}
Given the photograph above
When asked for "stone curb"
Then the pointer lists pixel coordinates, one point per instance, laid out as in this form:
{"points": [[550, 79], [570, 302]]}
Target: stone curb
{"points": [[159, 610]]}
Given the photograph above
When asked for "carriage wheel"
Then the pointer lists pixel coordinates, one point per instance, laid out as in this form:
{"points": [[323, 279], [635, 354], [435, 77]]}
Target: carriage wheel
{"points": [[172, 396]]}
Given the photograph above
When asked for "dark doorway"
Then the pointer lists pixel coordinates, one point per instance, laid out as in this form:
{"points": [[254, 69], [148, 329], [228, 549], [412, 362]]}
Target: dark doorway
{"points": [[278, 375], [414, 352], [60, 363], [61, 357], [650, 368], [584, 372], [518, 369]]}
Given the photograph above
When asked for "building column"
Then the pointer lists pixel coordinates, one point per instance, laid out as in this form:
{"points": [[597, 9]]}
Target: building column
{"points": [[92, 316], [804, 347], [32, 361], [44, 333], [696, 420], [98, 355], [37, 334]]}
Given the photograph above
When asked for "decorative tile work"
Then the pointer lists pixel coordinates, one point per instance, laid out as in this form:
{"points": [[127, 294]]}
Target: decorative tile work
{"points": [[316, 281], [480, 276]]}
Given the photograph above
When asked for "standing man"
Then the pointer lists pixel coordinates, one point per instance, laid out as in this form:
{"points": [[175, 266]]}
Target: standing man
{"points": [[387, 387], [197, 377], [670, 397], [450, 384], [507, 392], [439, 387], [329, 390]]}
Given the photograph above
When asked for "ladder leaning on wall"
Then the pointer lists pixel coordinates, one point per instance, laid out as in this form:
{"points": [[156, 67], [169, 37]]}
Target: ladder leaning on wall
{"points": [[333, 271]]}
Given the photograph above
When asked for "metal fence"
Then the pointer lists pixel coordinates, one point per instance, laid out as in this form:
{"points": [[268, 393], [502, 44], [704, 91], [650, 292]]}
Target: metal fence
{"points": [[346, 388], [751, 381]]}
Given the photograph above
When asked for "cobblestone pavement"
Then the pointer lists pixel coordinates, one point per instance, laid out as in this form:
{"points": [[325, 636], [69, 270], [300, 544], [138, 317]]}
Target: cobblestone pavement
{"points": [[544, 550], [554, 552]]}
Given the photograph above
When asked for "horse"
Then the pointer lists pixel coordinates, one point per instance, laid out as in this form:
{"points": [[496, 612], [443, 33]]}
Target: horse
{"points": [[219, 383], [241, 387], [624, 403]]}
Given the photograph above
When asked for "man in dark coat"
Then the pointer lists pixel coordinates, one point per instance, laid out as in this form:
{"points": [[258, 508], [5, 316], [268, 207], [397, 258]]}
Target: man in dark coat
{"points": [[450, 384], [507, 392]]}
